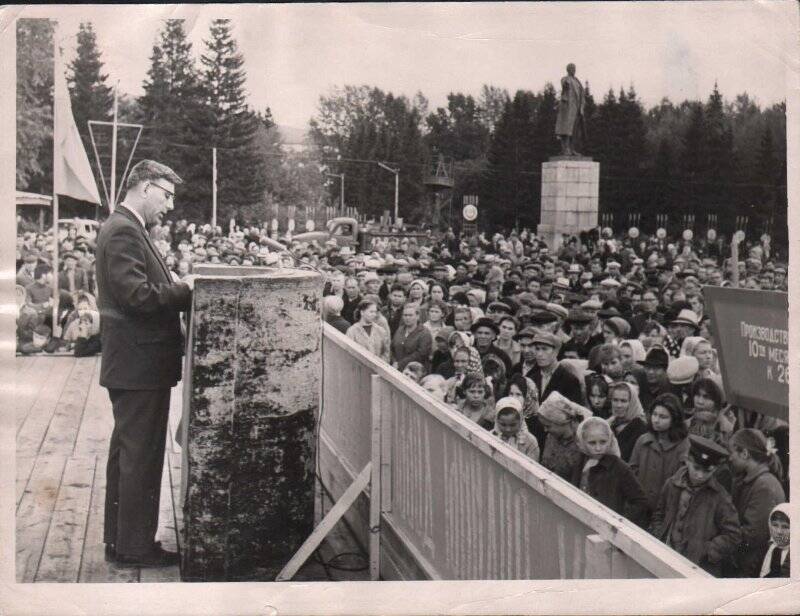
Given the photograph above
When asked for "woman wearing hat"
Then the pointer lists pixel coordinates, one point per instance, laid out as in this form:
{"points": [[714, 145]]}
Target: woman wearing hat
{"points": [[756, 490]]}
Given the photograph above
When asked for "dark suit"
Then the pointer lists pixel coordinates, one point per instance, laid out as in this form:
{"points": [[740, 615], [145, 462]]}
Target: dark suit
{"points": [[563, 381], [142, 345]]}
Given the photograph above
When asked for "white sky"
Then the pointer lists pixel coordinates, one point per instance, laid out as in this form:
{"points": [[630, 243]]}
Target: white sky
{"points": [[295, 53]]}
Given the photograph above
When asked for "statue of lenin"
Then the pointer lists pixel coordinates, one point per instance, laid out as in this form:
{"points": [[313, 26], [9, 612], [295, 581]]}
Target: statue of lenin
{"points": [[570, 111]]}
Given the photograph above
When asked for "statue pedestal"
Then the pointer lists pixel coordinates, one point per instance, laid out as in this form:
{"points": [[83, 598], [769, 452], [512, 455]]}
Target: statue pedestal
{"points": [[570, 197], [251, 399]]}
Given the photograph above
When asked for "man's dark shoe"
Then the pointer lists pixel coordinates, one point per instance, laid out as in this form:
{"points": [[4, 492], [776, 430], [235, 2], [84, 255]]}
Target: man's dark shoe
{"points": [[111, 553], [157, 557]]}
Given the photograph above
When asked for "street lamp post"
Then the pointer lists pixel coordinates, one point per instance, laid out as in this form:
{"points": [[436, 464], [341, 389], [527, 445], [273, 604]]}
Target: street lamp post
{"points": [[341, 191], [396, 172]]}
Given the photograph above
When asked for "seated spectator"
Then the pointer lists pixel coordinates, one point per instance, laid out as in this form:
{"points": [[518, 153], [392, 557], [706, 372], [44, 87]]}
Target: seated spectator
{"points": [[510, 428], [603, 475]]}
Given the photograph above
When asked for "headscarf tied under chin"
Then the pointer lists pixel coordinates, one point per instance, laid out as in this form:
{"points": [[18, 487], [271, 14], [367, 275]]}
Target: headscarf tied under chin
{"points": [[596, 422], [560, 410], [634, 409], [637, 349]]}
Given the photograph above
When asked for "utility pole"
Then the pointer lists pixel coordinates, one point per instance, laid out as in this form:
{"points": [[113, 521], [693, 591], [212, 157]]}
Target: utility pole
{"points": [[396, 172], [341, 188], [111, 206]]}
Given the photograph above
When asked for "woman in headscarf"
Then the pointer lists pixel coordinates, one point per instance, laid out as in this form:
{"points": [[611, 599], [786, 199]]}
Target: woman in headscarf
{"points": [[510, 427], [560, 418], [775, 562], [627, 418], [603, 475], [524, 389]]}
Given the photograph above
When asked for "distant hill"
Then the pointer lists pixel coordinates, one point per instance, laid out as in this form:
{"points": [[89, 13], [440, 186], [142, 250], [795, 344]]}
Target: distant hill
{"points": [[291, 135]]}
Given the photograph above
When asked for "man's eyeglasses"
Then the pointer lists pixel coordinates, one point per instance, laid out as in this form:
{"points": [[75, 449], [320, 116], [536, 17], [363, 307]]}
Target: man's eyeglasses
{"points": [[169, 194]]}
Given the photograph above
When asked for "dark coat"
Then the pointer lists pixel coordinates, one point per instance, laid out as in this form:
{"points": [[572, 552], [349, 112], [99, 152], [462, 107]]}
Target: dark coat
{"points": [[785, 566], [612, 482], [654, 463], [349, 308], [139, 307], [754, 497], [627, 437], [339, 323], [711, 524], [563, 381], [416, 346]]}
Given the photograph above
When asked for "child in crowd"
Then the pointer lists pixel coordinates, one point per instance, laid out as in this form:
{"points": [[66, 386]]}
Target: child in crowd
{"points": [[708, 417], [611, 362], [659, 452], [695, 515], [627, 418], [475, 401], [776, 558], [756, 490], [434, 384], [601, 474], [597, 395], [510, 428], [524, 389], [461, 359], [414, 370]]}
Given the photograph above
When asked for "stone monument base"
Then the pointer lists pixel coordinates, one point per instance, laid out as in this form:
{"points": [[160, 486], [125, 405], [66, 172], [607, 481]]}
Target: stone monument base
{"points": [[570, 198]]}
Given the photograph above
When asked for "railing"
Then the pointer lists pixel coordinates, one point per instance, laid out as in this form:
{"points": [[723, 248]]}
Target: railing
{"points": [[454, 502]]}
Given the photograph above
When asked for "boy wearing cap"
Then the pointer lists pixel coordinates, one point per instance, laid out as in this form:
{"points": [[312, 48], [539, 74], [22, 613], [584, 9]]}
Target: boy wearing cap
{"points": [[695, 515]]}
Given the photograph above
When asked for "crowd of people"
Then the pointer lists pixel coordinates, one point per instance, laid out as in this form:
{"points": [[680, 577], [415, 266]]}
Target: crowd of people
{"points": [[595, 359]]}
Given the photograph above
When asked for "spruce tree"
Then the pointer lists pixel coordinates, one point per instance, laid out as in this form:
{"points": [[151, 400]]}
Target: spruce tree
{"points": [[34, 143], [170, 109], [230, 126]]}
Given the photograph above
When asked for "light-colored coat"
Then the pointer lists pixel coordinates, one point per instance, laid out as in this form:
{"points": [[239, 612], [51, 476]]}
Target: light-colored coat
{"points": [[377, 341]]}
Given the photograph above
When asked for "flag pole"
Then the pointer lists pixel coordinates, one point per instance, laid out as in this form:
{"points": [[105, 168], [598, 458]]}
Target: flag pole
{"points": [[56, 182], [113, 203]]}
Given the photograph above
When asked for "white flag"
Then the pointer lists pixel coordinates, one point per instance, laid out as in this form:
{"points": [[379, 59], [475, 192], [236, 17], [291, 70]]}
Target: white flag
{"points": [[72, 175]]}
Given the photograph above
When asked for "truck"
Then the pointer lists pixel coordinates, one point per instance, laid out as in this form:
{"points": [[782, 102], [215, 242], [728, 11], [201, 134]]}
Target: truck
{"points": [[349, 232]]}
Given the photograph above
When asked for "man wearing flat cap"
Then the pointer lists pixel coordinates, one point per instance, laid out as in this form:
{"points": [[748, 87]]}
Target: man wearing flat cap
{"points": [[582, 339], [545, 370]]}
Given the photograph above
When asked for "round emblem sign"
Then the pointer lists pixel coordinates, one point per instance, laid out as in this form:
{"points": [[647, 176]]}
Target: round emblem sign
{"points": [[711, 235], [470, 213], [688, 234], [661, 233], [738, 236]]}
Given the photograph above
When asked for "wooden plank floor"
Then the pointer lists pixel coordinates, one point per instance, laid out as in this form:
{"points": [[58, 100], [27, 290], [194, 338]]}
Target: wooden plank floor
{"points": [[64, 422]]}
